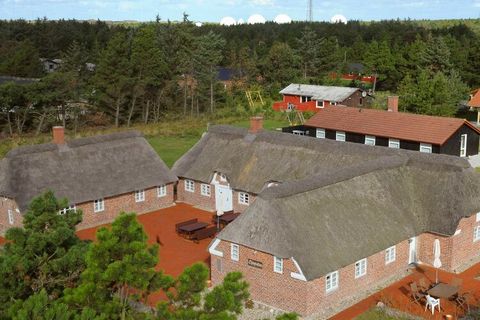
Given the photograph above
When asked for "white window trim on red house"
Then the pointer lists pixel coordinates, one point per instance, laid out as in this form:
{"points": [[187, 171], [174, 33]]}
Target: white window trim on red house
{"points": [[297, 275], [213, 248]]}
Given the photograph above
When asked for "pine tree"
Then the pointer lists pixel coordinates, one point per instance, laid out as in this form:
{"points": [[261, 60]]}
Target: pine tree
{"points": [[309, 46], [112, 78], [43, 255]]}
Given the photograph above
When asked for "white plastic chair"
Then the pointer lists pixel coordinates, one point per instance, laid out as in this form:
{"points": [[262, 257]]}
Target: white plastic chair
{"points": [[432, 303]]}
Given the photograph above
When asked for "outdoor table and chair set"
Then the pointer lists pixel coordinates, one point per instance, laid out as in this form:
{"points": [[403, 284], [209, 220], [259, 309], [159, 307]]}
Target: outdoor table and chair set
{"points": [[431, 294], [197, 230]]}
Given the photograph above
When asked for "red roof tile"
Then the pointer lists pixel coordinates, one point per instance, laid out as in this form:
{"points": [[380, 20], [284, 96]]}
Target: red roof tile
{"points": [[380, 123], [475, 100]]}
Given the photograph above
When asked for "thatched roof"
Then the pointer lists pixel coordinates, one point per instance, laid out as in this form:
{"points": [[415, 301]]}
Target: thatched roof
{"points": [[251, 161], [329, 222], [83, 169], [338, 202]]}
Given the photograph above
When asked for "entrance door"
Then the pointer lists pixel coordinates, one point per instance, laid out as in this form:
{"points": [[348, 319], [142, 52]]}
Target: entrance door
{"points": [[412, 250], [223, 198], [463, 145]]}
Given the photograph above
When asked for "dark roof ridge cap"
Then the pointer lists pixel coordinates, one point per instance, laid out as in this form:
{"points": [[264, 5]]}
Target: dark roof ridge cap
{"points": [[49, 146], [343, 174], [104, 138]]}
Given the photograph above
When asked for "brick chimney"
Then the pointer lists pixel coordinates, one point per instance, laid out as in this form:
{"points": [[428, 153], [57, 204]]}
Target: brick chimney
{"points": [[58, 135], [392, 103], [256, 124]]}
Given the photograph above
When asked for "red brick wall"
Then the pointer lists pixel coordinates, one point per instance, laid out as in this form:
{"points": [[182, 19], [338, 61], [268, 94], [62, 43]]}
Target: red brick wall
{"points": [[113, 206], [425, 249], [208, 203], [286, 293], [126, 203], [271, 288], [5, 205], [464, 249]]}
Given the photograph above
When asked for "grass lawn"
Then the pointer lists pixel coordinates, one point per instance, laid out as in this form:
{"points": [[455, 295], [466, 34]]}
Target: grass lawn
{"points": [[170, 148]]}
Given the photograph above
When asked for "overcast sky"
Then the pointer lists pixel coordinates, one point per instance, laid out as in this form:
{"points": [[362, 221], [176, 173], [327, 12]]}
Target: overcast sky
{"points": [[214, 10]]}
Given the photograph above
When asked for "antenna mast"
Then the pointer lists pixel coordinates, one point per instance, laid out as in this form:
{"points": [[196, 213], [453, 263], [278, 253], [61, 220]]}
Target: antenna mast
{"points": [[310, 10]]}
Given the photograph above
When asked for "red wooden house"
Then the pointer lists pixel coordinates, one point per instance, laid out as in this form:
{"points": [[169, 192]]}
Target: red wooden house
{"points": [[305, 97]]}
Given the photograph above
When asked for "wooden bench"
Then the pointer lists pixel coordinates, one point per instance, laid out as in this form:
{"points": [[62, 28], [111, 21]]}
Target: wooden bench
{"points": [[184, 223], [204, 234]]}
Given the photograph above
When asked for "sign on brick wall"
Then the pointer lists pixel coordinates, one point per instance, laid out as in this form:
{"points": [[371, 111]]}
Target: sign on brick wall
{"points": [[255, 264]]}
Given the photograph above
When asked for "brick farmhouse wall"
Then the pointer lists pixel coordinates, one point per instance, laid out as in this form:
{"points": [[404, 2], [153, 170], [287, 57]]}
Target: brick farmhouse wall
{"points": [[124, 203], [7, 204], [113, 207], [310, 297], [208, 202]]}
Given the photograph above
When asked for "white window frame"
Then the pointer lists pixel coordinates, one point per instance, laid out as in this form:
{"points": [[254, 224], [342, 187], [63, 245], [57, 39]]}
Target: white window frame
{"points": [[64, 211], [331, 281], [390, 254], [340, 136], [205, 190], [223, 177], [320, 104], [99, 205], [161, 191], [234, 252], [463, 145], [244, 198], [394, 143], [425, 148], [333, 103], [370, 140], [360, 268], [476, 233], [277, 264], [139, 195], [477, 217], [11, 219], [320, 133], [304, 99], [189, 185], [298, 132]]}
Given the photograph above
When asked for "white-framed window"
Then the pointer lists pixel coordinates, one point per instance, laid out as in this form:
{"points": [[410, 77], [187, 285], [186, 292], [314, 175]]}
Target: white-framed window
{"points": [[360, 268], [331, 281], [243, 198], [277, 264], [189, 186], [394, 143], [67, 209], [10, 216], [161, 191], [390, 255], [333, 103], [139, 195], [304, 99], [425, 148], [98, 205], [234, 252], [320, 133], [299, 132], [205, 189], [477, 217], [320, 104], [223, 177], [463, 145], [340, 136], [370, 140], [476, 233]]}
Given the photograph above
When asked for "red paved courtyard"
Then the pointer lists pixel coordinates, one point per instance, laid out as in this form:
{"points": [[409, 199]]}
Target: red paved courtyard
{"points": [[175, 252], [398, 297]]}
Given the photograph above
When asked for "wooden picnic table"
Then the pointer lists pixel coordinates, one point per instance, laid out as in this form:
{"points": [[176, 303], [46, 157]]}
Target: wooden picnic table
{"points": [[443, 290], [190, 228], [229, 217]]}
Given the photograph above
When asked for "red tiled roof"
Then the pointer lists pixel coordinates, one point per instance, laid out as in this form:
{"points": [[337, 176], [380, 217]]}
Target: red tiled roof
{"points": [[380, 123], [475, 100]]}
